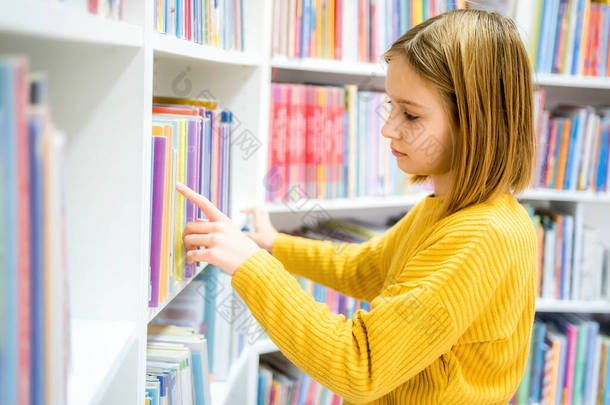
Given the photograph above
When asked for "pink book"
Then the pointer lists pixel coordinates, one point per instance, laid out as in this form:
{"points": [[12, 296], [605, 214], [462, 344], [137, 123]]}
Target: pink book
{"points": [[23, 230], [572, 337], [156, 221], [301, 140]]}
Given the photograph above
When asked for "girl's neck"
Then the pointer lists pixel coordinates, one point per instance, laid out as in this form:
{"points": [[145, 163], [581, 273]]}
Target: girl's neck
{"points": [[442, 182]]}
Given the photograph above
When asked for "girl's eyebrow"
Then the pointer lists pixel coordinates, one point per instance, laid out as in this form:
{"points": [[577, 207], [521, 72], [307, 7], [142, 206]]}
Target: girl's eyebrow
{"points": [[404, 101]]}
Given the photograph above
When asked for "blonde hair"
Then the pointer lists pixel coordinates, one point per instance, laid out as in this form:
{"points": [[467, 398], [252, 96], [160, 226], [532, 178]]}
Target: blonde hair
{"points": [[480, 66]]}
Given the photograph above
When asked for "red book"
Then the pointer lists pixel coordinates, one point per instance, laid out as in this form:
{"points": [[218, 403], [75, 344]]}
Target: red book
{"points": [[23, 233], [289, 173], [162, 109]]}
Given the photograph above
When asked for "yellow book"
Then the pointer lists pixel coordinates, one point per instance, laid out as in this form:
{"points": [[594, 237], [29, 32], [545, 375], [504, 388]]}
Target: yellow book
{"points": [[167, 132], [318, 30], [418, 12], [196, 102], [330, 43]]}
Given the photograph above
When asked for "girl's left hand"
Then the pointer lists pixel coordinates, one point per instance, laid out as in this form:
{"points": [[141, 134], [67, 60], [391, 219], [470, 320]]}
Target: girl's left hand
{"points": [[226, 247]]}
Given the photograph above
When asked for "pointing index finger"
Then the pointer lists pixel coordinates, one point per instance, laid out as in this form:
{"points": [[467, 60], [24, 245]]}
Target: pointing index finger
{"points": [[206, 206]]}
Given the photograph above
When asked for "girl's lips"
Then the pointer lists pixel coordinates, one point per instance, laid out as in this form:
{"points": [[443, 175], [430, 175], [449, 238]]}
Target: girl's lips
{"points": [[397, 153]]}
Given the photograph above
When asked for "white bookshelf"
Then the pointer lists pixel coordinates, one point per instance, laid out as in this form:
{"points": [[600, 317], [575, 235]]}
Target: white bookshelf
{"points": [[102, 75]]}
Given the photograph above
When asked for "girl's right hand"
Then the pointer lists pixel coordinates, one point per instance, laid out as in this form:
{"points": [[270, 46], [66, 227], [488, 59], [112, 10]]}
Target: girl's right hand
{"points": [[264, 233]]}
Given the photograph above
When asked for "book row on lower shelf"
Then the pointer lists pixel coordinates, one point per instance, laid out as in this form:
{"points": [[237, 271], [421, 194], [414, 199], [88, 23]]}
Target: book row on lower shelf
{"points": [[326, 142], [34, 316], [568, 363], [276, 387], [572, 145], [573, 261], [218, 23], [190, 145], [176, 366]]}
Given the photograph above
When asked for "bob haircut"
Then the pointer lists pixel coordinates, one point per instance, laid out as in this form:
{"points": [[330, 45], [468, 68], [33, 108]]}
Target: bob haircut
{"points": [[480, 67]]}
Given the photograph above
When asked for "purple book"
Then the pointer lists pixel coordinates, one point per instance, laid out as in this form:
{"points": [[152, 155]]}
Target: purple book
{"points": [[156, 221], [191, 180]]}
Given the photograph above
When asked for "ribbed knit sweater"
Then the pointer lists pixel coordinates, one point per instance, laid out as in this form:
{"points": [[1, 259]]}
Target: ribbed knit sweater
{"points": [[452, 304]]}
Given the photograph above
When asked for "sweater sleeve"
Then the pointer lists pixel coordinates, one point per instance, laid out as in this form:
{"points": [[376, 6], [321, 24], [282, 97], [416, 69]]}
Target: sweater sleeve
{"points": [[407, 328], [352, 269]]}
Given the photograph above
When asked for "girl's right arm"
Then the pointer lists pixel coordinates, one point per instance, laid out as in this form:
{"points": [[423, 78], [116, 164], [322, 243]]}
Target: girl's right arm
{"points": [[353, 269]]}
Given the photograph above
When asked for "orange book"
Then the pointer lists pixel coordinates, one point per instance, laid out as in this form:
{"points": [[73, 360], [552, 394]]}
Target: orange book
{"points": [[330, 43], [584, 38], [563, 154]]}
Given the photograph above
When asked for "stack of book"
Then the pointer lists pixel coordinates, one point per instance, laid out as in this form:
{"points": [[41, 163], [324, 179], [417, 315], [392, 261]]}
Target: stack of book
{"points": [[573, 262], [326, 143], [176, 366], [34, 315], [358, 31], [568, 363], [218, 23], [566, 36], [209, 306], [190, 144], [572, 146]]}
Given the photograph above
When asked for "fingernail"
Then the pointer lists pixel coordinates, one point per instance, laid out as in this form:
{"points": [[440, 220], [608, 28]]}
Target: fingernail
{"points": [[180, 185]]}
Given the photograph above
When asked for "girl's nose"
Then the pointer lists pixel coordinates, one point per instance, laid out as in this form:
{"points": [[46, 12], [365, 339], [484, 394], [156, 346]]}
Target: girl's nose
{"points": [[389, 131]]}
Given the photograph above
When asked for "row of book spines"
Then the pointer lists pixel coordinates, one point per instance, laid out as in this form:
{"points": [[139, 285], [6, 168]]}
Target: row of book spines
{"points": [[314, 150], [563, 272], [315, 28], [189, 145], [216, 23], [572, 147], [33, 297], [276, 388], [566, 366], [571, 37]]}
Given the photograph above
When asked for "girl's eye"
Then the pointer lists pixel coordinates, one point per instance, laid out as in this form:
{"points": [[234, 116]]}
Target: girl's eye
{"points": [[410, 117]]}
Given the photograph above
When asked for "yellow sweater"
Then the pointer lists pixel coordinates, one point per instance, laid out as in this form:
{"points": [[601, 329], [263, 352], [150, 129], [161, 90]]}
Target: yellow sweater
{"points": [[451, 306]]}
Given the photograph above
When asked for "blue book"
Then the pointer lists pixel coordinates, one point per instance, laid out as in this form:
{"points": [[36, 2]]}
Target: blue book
{"points": [[543, 36], [577, 37], [404, 16], [571, 166], [600, 179], [8, 236], [537, 367], [602, 63], [37, 362], [589, 390], [210, 277], [552, 37]]}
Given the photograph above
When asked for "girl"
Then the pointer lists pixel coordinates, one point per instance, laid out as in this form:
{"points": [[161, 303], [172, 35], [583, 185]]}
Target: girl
{"points": [[451, 285]]}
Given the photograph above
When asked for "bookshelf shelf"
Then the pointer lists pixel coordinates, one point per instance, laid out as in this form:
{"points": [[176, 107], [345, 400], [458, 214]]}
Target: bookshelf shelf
{"points": [[378, 70], [557, 80], [328, 66], [178, 287], [597, 307], [170, 46], [98, 349], [49, 21], [359, 203]]}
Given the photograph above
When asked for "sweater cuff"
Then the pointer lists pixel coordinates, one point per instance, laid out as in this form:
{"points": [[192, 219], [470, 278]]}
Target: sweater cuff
{"points": [[253, 272]]}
